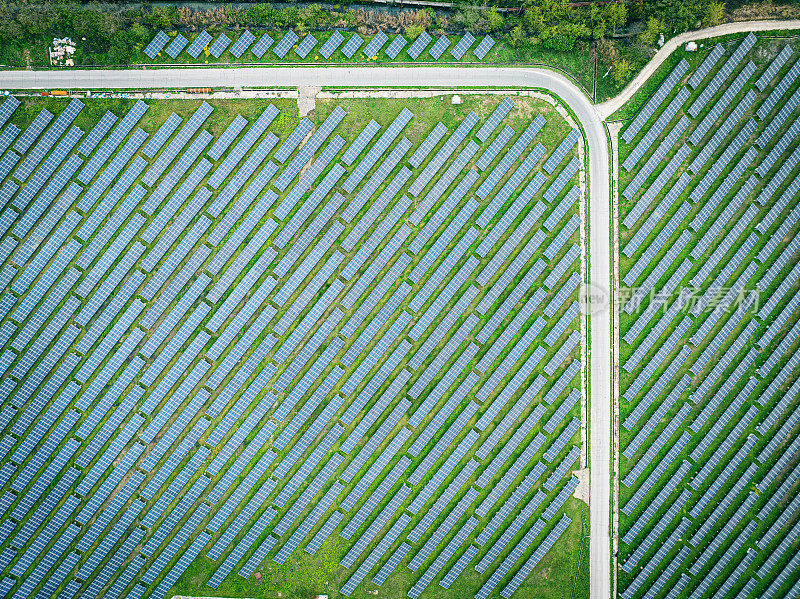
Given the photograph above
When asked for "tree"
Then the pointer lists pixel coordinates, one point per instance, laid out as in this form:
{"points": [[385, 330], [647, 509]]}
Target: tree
{"points": [[496, 20], [598, 22], [650, 36], [713, 13], [534, 20], [517, 36], [621, 71], [616, 15], [562, 37]]}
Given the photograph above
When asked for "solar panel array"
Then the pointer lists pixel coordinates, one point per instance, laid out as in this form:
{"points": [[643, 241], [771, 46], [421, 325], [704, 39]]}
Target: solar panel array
{"points": [[462, 46], [708, 415], [415, 49], [166, 331], [439, 47], [332, 44], [173, 47], [352, 45], [219, 46]]}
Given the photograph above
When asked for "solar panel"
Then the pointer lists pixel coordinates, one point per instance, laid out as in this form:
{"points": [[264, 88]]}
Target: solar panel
{"points": [[655, 159], [537, 556], [707, 65], [722, 75], [463, 45], [177, 144], [48, 140], [352, 45], [655, 101], [332, 44], [243, 43], [511, 156], [375, 45], [552, 192], [439, 159], [283, 47], [176, 46], [219, 46], [156, 45], [32, 132], [306, 46], [482, 49], [7, 108], [562, 150], [419, 45], [199, 44], [439, 47], [780, 89], [724, 101], [262, 46], [398, 43], [378, 149]]}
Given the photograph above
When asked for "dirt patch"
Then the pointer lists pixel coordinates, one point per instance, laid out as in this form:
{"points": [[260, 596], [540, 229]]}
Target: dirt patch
{"points": [[582, 490]]}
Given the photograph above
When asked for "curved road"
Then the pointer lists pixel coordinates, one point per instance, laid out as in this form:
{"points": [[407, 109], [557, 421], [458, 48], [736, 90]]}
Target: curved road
{"points": [[609, 107], [450, 78]]}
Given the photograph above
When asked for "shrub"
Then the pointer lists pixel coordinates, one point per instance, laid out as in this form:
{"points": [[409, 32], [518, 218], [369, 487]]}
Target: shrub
{"points": [[713, 13], [621, 70], [414, 31]]}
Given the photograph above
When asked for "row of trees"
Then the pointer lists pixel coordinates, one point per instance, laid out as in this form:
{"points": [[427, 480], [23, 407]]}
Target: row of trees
{"points": [[112, 32]]}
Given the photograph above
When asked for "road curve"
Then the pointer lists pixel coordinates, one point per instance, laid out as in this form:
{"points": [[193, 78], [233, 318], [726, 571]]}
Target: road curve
{"points": [[609, 107], [438, 77]]}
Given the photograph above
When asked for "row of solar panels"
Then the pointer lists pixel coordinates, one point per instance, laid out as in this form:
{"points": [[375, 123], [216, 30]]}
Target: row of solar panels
{"points": [[303, 47]]}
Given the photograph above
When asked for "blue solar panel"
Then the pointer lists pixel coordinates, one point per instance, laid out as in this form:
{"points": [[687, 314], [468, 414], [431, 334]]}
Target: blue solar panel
{"points": [[283, 47], [308, 43], [419, 45], [157, 44], [262, 46], [243, 43], [463, 45], [442, 44], [482, 49], [332, 44], [176, 46], [199, 44], [398, 43], [375, 45], [352, 45]]}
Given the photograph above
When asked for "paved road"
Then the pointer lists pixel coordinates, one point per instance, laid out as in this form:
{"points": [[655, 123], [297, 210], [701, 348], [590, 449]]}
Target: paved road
{"points": [[441, 77], [609, 107]]}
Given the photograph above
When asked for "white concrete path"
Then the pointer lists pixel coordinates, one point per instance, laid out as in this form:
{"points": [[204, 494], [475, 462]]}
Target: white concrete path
{"points": [[609, 107]]}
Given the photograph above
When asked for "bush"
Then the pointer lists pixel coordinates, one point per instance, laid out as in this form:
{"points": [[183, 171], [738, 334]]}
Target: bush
{"points": [[621, 70], [414, 31], [496, 20], [713, 13], [562, 37]]}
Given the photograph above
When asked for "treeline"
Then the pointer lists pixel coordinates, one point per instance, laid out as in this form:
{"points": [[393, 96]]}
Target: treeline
{"points": [[115, 32]]}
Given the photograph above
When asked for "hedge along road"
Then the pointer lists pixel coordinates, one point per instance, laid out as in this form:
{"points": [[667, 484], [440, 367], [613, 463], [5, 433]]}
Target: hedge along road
{"points": [[448, 78]]}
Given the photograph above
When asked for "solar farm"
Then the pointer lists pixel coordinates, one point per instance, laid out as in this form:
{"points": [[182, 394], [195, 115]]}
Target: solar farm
{"points": [[276, 47], [238, 346], [709, 328]]}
